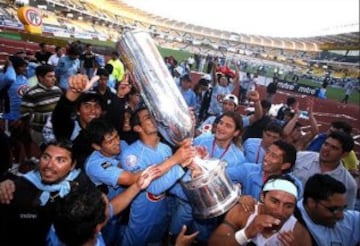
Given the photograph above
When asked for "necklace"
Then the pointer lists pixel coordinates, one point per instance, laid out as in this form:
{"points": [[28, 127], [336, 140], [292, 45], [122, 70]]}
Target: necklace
{"points": [[223, 153]]}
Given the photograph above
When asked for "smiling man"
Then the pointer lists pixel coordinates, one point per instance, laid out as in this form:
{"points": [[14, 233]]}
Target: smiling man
{"points": [[328, 161], [29, 205], [279, 159]]}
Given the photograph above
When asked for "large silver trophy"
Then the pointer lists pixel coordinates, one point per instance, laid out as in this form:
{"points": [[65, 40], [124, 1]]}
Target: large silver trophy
{"points": [[211, 193]]}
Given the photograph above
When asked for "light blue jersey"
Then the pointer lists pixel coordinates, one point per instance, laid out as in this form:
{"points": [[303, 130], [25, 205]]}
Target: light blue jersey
{"points": [[18, 85], [66, 67], [148, 213], [217, 95], [53, 239], [250, 176], [232, 155], [189, 96], [345, 232], [254, 152], [183, 214], [104, 170]]}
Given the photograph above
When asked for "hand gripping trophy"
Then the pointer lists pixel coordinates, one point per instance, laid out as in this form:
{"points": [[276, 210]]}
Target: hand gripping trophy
{"points": [[209, 191]]}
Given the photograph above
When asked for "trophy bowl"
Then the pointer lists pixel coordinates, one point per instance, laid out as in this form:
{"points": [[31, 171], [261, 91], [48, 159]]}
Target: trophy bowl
{"points": [[212, 193]]}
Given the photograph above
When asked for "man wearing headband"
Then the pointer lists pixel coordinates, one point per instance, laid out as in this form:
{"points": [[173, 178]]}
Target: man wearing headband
{"points": [[272, 222]]}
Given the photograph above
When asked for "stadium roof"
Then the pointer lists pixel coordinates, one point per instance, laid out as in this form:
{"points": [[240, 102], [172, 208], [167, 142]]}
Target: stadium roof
{"points": [[325, 24]]}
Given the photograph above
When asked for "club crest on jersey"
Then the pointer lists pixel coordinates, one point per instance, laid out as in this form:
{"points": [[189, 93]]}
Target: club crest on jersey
{"points": [[106, 164], [21, 90], [131, 161]]}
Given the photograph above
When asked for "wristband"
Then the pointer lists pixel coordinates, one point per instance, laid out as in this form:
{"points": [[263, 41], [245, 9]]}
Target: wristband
{"points": [[232, 226], [241, 237]]}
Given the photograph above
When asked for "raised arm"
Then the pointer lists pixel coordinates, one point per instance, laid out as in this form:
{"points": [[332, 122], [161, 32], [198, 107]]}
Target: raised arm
{"points": [[213, 72], [314, 129], [236, 80], [289, 127], [258, 113]]}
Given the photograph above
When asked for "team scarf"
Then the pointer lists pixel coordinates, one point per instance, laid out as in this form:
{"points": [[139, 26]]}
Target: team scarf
{"points": [[63, 188]]}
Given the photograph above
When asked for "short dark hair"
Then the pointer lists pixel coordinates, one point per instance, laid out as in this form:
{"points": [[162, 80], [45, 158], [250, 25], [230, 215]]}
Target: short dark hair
{"points": [[321, 187], [347, 142], [135, 120], [42, 70], [74, 49], [90, 96], [273, 126], [109, 68], [78, 214], [290, 101], [265, 104], [57, 48], [97, 129], [61, 143], [203, 82], [185, 77], [289, 153], [102, 72], [342, 125]]}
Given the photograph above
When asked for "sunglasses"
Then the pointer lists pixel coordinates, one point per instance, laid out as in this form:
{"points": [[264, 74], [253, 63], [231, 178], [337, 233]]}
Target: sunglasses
{"points": [[334, 209]]}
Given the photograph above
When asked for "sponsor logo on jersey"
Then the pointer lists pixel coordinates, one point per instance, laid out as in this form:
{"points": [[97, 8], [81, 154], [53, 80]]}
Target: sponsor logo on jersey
{"points": [[106, 164], [154, 198]]}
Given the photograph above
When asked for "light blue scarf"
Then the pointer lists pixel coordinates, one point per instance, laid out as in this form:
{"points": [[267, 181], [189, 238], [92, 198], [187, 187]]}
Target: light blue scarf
{"points": [[63, 188]]}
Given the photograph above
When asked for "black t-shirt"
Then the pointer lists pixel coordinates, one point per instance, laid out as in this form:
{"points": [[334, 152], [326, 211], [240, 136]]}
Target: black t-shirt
{"points": [[271, 88], [43, 57], [255, 130], [24, 221], [88, 59]]}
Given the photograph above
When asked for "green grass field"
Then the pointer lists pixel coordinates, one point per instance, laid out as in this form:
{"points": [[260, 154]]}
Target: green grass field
{"points": [[331, 93]]}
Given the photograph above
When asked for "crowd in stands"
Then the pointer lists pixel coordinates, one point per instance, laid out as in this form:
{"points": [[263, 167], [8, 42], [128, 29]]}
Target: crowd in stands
{"points": [[82, 161]]}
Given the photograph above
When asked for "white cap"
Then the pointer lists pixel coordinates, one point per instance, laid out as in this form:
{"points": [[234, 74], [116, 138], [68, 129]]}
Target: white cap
{"points": [[206, 76], [232, 98]]}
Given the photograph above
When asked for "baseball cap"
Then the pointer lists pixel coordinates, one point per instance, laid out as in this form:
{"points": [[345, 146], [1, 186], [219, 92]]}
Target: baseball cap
{"points": [[232, 98]]}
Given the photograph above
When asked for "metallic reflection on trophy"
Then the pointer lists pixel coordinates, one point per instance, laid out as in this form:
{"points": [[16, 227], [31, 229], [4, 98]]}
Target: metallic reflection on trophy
{"points": [[211, 193], [157, 87]]}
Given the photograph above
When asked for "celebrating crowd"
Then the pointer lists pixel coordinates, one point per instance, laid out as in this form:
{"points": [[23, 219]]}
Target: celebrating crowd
{"points": [[83, 162]]}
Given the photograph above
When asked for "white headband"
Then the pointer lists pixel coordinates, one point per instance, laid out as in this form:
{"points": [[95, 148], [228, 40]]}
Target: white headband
{"points": [[282, 185]]}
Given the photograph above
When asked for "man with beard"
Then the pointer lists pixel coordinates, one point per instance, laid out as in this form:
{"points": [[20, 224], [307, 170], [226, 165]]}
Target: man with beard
{"points": [[28, 202], [272, 222]]}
